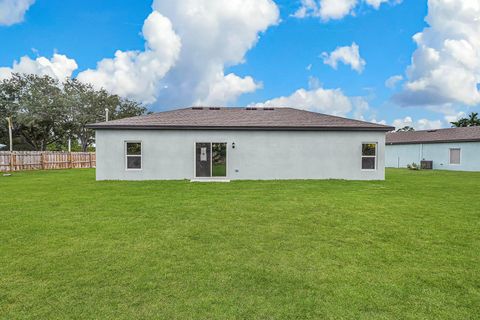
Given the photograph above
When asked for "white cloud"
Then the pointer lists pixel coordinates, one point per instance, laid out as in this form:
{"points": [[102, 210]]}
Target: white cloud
{"points": [[374, 120], [189, 44], [334, 9], [349, 55], [329, 101], [376, 3], [449, 111], [360, 108], [425, 124], [227, 88], [363, 112], [445, 67], [326, 9], [215, 34], [392, 82], [401, 123], [59, 67], [421, 124], [455, 117], [135, 74], [13, 11]]}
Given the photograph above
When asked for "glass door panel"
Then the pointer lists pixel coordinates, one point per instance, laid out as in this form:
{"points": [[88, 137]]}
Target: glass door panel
{"points": [[203, 159], [219, 159]]}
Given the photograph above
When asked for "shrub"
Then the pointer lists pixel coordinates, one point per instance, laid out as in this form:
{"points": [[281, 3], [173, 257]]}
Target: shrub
{"points": [[413, 166]]}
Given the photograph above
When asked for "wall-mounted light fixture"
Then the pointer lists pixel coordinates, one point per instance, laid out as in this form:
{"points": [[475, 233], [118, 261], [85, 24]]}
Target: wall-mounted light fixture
{"points": [[233, 145]]}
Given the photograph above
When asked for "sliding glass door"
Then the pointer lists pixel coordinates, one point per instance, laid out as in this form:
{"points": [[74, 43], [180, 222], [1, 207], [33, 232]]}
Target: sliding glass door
{"points": [[210, 159]]}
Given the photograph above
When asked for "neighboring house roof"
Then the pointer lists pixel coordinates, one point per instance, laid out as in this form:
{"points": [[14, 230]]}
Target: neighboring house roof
{"points": [[210, 118], [468, 134]]}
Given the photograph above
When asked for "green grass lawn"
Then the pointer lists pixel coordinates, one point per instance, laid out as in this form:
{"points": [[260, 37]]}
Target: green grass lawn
{"points": [[404, 248]]}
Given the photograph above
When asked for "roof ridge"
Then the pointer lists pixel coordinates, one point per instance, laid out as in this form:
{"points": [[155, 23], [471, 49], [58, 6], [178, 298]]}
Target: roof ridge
{"points": [[434, 130], [284, 118], [338, 117]]}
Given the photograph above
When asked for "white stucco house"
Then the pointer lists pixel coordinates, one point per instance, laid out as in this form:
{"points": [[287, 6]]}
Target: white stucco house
{"points": [[222, 144], [446, 149]]}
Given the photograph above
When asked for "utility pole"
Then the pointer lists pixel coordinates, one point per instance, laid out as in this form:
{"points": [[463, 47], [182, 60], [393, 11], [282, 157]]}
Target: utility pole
{"points": [[9, 119], [12, 159]]}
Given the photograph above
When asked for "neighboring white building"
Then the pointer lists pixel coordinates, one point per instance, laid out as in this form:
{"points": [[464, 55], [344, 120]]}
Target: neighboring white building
{"points": [[448, 149], [210, 143]]}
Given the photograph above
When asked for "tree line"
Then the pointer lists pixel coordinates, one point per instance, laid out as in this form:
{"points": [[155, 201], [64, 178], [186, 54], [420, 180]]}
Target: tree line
{"points": [[47, 113], [472, 120]]}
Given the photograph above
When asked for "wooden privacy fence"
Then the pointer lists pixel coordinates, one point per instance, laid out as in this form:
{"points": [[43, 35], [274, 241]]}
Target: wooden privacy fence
{"points": [[45, 160]]}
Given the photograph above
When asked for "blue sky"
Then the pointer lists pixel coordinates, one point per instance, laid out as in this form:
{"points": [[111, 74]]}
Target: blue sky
{"points": [[195, 64]]}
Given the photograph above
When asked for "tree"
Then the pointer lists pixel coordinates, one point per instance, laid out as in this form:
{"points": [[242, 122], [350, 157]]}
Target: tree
{"points": [[406, 129], [8, 108], [35, 106], [46, 114], [129, 108], [471, 121], [86, 105]]}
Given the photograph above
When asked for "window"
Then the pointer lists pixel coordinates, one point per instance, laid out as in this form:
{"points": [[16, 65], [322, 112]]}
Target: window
{"points": [[133, 152], [455, 156], [369, 156]]}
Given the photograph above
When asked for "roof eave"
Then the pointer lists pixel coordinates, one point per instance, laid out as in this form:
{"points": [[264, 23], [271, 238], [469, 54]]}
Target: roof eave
{"points": [[246, 128], [433, 141]]}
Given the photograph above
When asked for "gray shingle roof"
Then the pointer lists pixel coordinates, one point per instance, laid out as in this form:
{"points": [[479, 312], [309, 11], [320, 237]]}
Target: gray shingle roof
{"points": [[240, 119], [468, 134]]}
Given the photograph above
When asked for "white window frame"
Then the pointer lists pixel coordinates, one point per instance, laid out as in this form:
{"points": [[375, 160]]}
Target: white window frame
{"points": [[126, 155], [375, 156], [450, 156]]}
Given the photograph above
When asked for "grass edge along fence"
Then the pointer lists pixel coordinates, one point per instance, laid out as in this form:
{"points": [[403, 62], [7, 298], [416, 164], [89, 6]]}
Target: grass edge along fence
{"points": [[45, 160]]}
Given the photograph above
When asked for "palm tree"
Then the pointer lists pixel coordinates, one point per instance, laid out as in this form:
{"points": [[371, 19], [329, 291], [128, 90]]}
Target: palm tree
{"points": [[472, 121], [406, 129]]}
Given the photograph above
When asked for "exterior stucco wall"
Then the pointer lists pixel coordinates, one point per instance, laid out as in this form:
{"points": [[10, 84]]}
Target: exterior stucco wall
{"points": [[258, 155], [398, 156]]}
